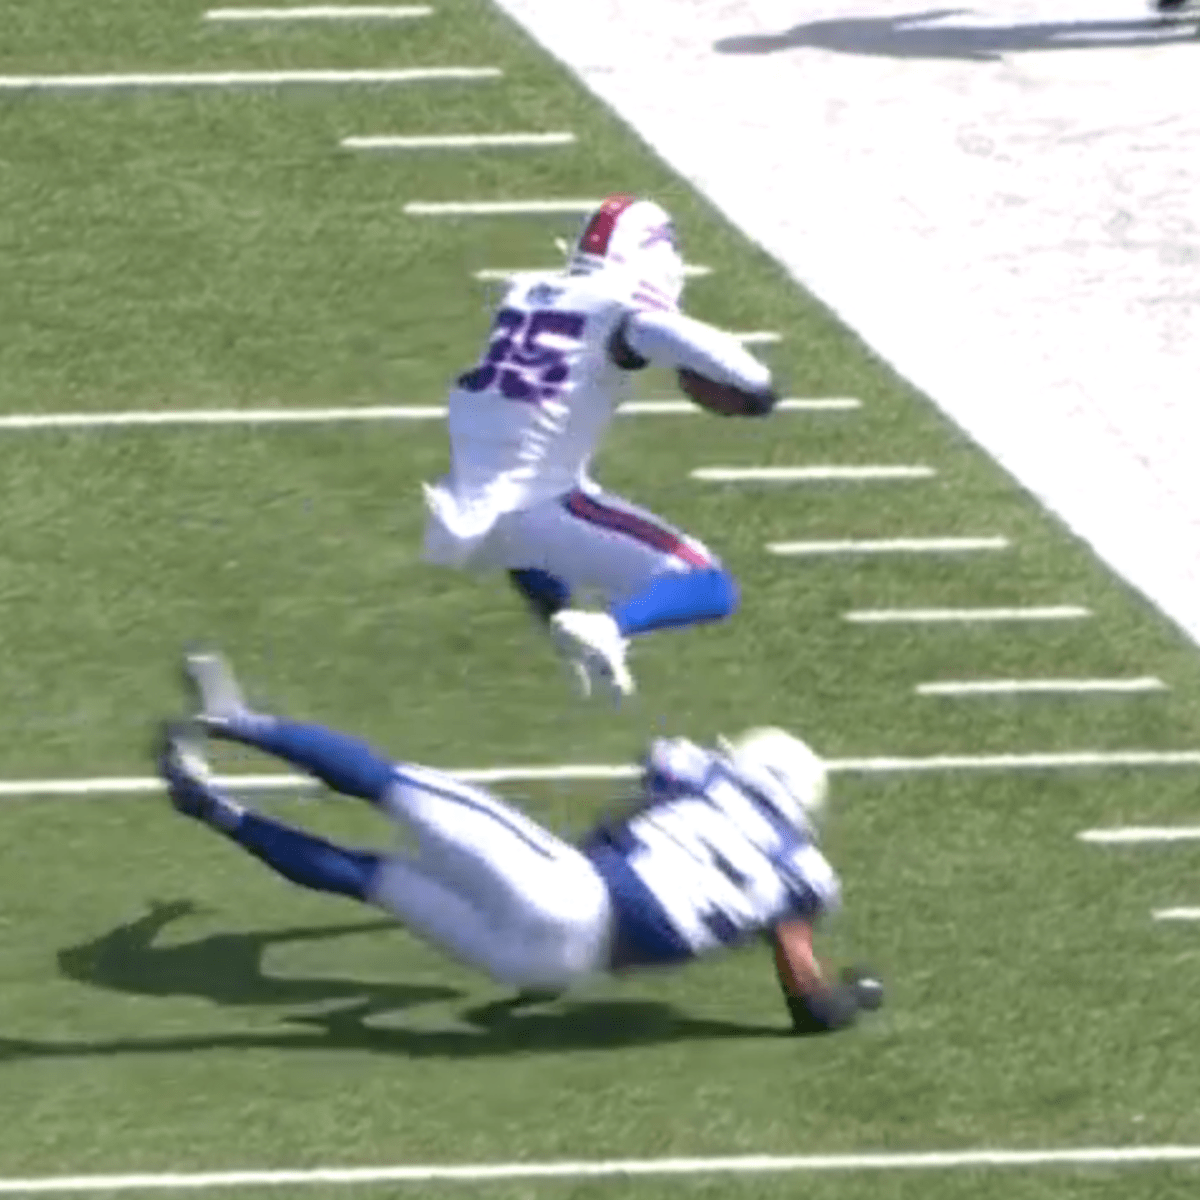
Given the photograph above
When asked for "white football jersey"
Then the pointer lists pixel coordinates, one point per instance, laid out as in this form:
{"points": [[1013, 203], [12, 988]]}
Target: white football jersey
{"points": [[525, 421], [707, 862]]}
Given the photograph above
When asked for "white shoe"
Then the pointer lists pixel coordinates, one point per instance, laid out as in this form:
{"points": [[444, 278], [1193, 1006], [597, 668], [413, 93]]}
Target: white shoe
{"points": [[214, 686], [594, 649]]}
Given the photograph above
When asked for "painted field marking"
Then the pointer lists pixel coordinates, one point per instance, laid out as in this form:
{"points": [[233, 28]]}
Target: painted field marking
{"points": [[1084, 1156], [828, 404], [1177, 914], [456, 141], [962, 545], [1136, 835], [494, 274], [578, 773], [759, 338], [898, 616], [203, 79], [301, 416], [496, 208], [808, 474], [1014, 687], [219, 416], [323, 12]]}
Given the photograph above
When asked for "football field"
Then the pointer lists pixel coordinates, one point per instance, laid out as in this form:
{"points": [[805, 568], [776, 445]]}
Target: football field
{"points": [[227, 320]]}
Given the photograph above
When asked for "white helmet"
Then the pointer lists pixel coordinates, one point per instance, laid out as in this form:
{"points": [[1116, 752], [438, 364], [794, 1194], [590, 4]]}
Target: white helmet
{"points": [[636, 237], [781, 766]]}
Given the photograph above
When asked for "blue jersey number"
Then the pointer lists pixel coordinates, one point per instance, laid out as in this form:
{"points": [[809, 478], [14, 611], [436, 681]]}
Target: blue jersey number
{"points": [[518, 362]]}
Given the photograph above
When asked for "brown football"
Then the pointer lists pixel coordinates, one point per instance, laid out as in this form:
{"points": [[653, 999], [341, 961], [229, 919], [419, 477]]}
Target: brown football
{"points": [[719, 398]]}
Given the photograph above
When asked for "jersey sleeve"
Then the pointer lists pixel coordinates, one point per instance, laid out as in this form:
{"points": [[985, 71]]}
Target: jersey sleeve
{"points": [[812, 882], [671, 339]]}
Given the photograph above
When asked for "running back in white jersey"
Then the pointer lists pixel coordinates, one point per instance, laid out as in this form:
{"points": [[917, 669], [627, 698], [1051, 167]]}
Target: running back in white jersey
{"points": [[525, 421], [706, 863]]}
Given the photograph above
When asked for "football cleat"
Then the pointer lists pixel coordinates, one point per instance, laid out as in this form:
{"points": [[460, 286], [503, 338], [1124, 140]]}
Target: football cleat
{"points": [[184, 769], [214, 687], [594, 649]]}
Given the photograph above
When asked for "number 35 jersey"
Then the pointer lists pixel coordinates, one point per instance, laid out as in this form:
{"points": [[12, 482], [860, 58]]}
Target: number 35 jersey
{"points": [[525, 420], [705, 863]]}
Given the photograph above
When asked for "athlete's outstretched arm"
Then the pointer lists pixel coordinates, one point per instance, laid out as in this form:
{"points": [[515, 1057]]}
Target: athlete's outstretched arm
{"points": [[816, 1004], [670, 339]]}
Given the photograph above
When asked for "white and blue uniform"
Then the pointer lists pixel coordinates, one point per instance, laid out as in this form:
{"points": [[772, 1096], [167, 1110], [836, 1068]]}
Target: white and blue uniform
{"points": [[708, 862]]}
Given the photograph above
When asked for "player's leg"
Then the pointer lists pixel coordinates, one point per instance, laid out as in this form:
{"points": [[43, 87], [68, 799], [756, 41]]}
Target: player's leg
{"points": [[344, 763], [654, 576], [300, 857], [545, 594], [528, 908]]}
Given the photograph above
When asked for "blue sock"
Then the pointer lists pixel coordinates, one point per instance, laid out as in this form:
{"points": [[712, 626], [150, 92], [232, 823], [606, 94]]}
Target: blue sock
{"points": [[306, 860], [546, 594], [344, 763], [675, 599]]}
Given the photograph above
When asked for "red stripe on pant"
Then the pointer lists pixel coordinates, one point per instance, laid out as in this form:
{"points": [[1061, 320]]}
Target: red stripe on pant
{"points": [[581, 505]]}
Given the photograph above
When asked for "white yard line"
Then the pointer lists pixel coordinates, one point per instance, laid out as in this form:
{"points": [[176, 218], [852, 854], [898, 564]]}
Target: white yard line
{"points": [[1014, 687], [491, 274], [892, 546], [759, 337], [1136, 835], [456, 141], [301, 416], [219, 416], [323, 12], [1177, 914], [808, 474], [1049, 761], [218, 79], [1084, 1156], [933, 616], [496, 208], [576, 773]]}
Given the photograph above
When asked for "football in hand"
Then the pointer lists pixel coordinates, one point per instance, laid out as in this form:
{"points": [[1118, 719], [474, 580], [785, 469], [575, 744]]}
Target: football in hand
{"points": [[722, 398]]}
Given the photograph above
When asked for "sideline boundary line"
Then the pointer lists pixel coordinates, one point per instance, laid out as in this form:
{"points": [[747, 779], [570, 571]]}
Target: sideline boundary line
{"points": [[583, 772], [481, 1172]]}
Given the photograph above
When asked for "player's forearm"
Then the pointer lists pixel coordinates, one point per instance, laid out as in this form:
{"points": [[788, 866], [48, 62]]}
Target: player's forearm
{"points": [[815, 1004], [670, 339]]}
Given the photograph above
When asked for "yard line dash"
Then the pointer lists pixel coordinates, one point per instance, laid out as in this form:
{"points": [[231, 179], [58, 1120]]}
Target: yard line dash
{"points": [[749, 1164], [1135, 835], [933, 616], [812, 474], [1009, 687], [323, 12], [496, 208], [1177, 914], [456, 141], [948, 545], [759, 337], [217, 79]]}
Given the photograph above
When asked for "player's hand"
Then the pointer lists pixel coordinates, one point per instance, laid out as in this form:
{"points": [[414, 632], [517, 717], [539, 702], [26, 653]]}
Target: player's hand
{"points": [[831, 1008]]}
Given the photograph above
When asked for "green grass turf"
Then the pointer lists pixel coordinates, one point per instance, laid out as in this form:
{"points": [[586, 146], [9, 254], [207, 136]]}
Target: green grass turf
{"points": [[181, 250]]}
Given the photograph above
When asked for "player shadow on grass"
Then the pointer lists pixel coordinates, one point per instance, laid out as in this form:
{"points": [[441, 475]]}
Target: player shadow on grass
{"points": [[226, 968], [911, 35], [495, 1029]]}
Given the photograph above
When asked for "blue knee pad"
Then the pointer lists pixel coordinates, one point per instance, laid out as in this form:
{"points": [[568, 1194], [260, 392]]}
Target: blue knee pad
{"points": [[675, 599]]}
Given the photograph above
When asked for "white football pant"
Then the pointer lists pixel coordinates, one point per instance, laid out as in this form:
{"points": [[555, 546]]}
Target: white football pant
{"points": [[490, 887], [592, 540]]}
